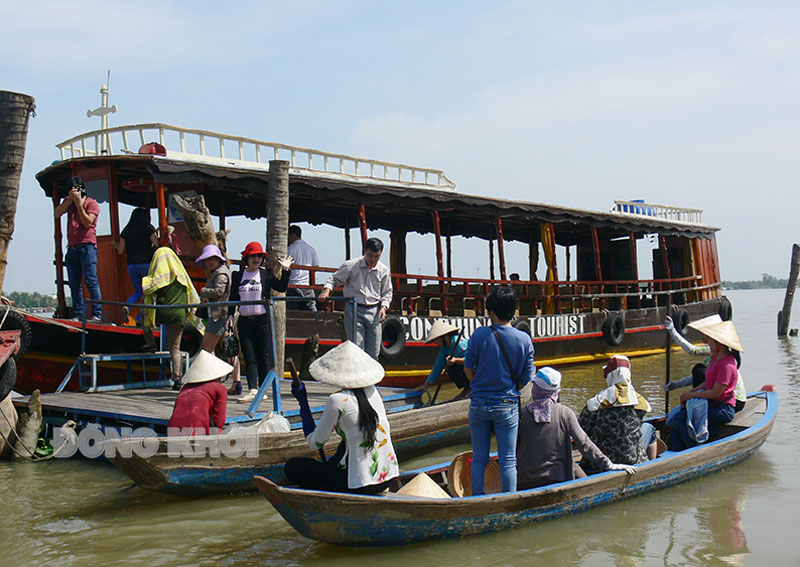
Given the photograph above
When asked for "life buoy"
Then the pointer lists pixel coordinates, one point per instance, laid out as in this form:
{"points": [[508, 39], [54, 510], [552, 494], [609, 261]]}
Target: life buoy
{"points": [[8, 377], [393, 337], [614, 329], [522, 325], [725, 309], [16, 321], [681, 320]]}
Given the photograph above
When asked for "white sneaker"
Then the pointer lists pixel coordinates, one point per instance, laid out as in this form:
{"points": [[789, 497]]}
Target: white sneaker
{"points": [[249, 397]]}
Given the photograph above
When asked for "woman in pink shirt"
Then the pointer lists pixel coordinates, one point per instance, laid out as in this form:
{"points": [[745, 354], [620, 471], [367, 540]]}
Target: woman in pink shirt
{"points": [[721, 377]]}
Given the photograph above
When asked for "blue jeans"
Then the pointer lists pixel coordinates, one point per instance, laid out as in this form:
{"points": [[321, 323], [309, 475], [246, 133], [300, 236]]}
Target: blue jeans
{"points": [[677, 422], [368, 331], [136, 272], [503, 415], [81, 262], [648, 434]]}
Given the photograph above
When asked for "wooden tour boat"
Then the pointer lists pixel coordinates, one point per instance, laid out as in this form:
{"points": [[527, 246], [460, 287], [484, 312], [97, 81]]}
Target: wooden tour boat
{"points": [[396, 519], [594, 305]]}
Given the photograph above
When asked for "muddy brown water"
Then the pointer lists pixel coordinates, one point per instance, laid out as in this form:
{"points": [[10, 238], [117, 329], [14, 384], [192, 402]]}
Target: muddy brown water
{"points": [[76, 512]]}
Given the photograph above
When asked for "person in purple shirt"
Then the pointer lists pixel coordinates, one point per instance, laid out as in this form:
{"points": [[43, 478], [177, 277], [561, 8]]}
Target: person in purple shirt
{"points": [[498, 362]]}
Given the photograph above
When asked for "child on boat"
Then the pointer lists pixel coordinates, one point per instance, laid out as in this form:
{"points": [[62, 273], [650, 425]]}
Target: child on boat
{"points": [[216, 290], [613, 417], [498, 362], [365, 461], [740, 393], [544, 450], [721, 377]]}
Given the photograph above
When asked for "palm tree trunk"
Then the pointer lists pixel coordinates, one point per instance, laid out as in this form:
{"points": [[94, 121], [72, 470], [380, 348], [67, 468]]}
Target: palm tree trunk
{"points": [[15, 110], [198, 220], [278, 242]]}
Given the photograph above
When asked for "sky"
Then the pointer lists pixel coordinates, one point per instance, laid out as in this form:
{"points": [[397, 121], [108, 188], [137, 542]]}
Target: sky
{"points": [[690, 104]]}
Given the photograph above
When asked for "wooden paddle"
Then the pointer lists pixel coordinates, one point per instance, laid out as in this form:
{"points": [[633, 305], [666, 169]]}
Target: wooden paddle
{"points": [[296, 381], [666, 379], [452, 352]]}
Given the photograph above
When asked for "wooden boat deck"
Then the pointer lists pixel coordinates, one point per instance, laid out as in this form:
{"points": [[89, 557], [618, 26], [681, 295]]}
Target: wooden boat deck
{"points": [[152, 407]]}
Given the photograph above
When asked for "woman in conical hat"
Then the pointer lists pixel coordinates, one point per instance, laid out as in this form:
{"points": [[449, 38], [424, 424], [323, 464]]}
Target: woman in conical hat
{"points": [[450, 357], [365, 461], [202, 397], [740, 393], [721, 377]]}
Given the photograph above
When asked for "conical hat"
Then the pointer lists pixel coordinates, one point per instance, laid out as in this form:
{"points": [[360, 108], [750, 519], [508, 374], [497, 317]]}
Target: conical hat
{"points": [[439, 329], [347, 366], [206, 367], [423, 486], [724, 333], [705, 322]]}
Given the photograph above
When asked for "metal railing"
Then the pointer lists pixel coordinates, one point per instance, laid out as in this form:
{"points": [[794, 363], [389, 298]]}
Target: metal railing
{"points": [[222, 149], [666, 212]]}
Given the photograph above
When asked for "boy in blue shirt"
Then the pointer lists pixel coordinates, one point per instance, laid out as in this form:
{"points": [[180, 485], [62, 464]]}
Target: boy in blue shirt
{"points": [[498, 362]]}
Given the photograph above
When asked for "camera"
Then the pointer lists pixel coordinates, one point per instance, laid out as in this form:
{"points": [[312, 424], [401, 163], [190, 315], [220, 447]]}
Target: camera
{"points": [[68, 184]]}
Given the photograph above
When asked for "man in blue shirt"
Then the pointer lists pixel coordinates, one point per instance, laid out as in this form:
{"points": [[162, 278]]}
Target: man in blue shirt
{"points": [[450, 357], [498, 362]]}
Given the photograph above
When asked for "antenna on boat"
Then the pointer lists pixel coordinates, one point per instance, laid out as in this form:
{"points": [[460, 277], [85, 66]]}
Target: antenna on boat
{"points": [[103, 111]]}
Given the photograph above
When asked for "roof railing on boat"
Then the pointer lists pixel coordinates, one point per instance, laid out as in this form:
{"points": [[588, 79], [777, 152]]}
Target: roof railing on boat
{"points": [[666, 212], [221, 149]]}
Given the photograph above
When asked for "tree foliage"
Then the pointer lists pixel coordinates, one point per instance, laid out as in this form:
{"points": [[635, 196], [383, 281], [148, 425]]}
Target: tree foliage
{"points": [[767, 281], [31, 299]]}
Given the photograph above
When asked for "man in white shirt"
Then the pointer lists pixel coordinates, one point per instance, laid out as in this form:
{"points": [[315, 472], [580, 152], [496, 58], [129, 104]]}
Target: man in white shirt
{"points": [[304, 255], [370, 282]]}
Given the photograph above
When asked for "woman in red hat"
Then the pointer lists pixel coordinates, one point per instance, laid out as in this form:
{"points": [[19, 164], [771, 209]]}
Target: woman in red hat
{"points": [[253, 282]]}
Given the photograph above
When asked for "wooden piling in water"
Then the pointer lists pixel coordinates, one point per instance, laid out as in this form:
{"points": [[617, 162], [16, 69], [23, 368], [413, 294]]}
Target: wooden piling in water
{"points": [[785, 314], [278, 242]]}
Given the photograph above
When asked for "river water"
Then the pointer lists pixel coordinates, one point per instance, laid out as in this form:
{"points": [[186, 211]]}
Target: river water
{"points": [[77, 512]]}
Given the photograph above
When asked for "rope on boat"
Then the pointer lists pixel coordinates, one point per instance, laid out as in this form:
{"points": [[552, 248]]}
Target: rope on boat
{"points": [[33, 456]]}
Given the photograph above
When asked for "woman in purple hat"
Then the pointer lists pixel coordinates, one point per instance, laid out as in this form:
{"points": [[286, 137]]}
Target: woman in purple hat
{"points": [[217, 289]]}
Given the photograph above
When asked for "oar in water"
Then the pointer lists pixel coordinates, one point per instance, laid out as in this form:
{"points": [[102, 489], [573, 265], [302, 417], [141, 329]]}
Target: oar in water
{"points": [[452, 352], [297, 383]]}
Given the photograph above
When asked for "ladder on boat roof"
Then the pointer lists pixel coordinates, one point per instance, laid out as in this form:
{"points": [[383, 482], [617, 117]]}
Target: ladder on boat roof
{"points": [[211, 148], [640, 209]]}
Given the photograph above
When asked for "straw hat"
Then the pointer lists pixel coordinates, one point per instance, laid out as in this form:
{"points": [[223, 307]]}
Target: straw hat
{"points": [[347, 366], [423, 486], [439, 329], [459, 476], [548, 379], [206, 367], [724, 333], [705, 322]]}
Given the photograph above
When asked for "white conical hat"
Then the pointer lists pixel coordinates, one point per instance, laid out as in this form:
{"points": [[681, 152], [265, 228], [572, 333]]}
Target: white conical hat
{"points": [[347, 366], [724, 333], [206, 367], [423, 486], [440, 329], [705, 322]]}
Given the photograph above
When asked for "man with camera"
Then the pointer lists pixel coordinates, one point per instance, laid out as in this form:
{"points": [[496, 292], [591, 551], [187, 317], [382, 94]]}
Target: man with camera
{"points": [[81, 258]]}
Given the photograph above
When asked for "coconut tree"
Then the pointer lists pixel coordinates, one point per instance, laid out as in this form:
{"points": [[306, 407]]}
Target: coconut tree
{"points": [[278, 242]]}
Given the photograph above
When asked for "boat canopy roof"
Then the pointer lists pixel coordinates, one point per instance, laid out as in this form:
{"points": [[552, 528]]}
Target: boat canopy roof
{"points": [[323, 196]]}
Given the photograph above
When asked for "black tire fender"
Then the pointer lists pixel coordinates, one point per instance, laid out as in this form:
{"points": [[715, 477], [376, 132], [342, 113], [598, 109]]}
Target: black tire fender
{"points": [[523, 325], [614, 329], [8, 377], [725, 309], [16, 321], [393, 337], [680, 317]]}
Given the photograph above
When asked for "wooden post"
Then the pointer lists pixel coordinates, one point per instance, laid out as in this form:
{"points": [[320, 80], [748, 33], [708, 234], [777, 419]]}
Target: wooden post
{"points": [[785, 314], [437, 229], [568, 266], [15, 111], [277, 243], [161, 203], [61, 310], [500, 251], [533, 256], [449, 257], [222, 216], [491, 259], [347, 255], [362, 223], [118, 266], [597, 262]]}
